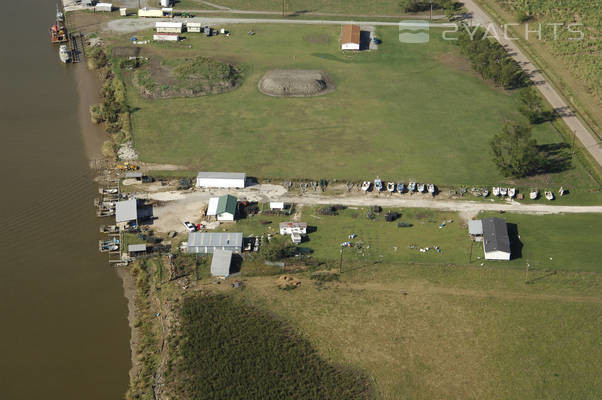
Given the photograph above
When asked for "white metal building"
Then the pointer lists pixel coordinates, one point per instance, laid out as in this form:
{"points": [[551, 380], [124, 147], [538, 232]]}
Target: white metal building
{"points": [[168, 27], [105, 7], [126, 211], [123, 11], [162, 36], [165, 3], [221, 179], [288, 228]]}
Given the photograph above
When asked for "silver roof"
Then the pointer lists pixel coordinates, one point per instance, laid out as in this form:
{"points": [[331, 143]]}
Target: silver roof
{"points": [[220, 264], [221, 175], [215, 239], [133, 174], [475, 227], [126, 210], [136, 247]]}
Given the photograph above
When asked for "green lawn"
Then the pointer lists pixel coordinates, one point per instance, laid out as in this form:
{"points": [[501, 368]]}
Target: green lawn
{"points": [[356, 7], [571, 241], [403, 111], [557, 242]]}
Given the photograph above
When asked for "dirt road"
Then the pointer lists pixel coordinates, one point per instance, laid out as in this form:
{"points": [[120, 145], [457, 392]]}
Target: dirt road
{"points": [[568, 116], [177, 207]]}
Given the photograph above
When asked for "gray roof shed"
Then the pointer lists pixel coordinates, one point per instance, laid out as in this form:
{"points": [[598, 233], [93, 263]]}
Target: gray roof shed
{"points": [[495, 235], [220, 264], [475, 227], [126, 211], [136, 248], [207, 242]]}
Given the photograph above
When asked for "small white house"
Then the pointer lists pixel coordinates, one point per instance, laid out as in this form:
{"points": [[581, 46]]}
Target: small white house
{"points": [[123, 11], [168, 27], [496, 242], [276, 205], [103, 7], [221, 180], [350, 38], [162, 36]]}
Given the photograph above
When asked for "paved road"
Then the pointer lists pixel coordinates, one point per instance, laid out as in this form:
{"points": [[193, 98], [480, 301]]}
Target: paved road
{"points": [[583, 134]]}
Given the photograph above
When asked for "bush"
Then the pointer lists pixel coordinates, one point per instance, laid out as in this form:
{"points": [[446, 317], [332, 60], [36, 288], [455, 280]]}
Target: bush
{"points": [[402, 224], [331, 210], [391, 216], [184, 183]]}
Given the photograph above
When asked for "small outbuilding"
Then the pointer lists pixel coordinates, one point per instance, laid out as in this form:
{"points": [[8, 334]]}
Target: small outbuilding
{"points": [[136, 249], [295, 229], [195, 27], [103, 7], [226, 208], [126, 212], [221, 262], [221, 179], [276, 205], [163, 36], [496, 242], [168, 27], [209, 242], [350, 37], [475, 229], [150, 12]]}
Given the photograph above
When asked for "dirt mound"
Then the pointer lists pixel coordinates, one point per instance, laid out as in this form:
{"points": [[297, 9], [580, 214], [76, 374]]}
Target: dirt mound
{"points": [[295, 83]]}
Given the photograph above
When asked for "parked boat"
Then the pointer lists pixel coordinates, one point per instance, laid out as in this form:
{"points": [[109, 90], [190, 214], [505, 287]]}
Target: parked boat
{"points": [[421, 187], [549, 195], [64, 54], [390, 187], [378, 185], [503, 191], [534, 194], [59, 15], [431, 188], [496, 191], [561, 191], [401, 188], [366, 186], [485, 192], [511, 192], [412, 186]]}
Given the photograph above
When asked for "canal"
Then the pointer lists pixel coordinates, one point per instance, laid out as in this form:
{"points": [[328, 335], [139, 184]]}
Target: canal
{"points": [[64, 332]]}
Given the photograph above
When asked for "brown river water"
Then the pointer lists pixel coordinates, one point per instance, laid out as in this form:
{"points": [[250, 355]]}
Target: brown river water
{"points": [[63, 317]]}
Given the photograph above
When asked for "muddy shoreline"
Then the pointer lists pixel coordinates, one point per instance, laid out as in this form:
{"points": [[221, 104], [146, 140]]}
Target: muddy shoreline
{"points": [[88, 86]]}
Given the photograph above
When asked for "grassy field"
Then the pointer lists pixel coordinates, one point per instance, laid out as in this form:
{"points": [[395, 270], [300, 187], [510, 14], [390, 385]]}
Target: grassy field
{"points": [[354, 7], [443, 341], [536, 239], [404, 111]]}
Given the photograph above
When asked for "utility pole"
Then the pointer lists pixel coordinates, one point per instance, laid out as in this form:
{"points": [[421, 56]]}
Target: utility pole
{"points": [[527, 273], [341, 262], [431, 16]]}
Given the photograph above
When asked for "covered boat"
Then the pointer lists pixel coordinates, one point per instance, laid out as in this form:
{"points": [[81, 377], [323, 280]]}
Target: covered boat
{"points": [[366, 186], [378, 185], [496, 191], [511, 192], [421, 187], [401, 187], [534, 194], [64, 54], [412, 186], [390, 187], [549, 195]]}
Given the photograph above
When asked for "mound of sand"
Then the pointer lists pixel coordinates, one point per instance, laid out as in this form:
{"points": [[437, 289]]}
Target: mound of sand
{"points": [[295, 83]]}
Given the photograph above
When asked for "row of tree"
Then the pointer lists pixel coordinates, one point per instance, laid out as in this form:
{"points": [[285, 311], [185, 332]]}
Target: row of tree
{"points": [[491, 60], [425, 5]]}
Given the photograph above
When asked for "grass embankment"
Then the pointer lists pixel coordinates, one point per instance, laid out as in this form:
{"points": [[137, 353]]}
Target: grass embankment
{"points": [[387, 117]]}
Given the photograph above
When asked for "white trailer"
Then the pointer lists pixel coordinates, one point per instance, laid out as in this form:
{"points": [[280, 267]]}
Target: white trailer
{"points": [[194, 27], [104, 7], [150, 13], [169, 27], [163, 36]]}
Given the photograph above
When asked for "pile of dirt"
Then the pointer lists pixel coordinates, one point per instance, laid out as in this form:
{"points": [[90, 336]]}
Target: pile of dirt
{"points": [[295, 83], [186, 77], [288, 282]]}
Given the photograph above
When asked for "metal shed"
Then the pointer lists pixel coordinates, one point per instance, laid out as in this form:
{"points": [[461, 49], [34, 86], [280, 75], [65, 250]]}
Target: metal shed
{"points": [[168, 27], [136, 248], [208, 242], [126, 211], [221, 179], [475, 227], [107, 7], [193, 27], [220, 264]]}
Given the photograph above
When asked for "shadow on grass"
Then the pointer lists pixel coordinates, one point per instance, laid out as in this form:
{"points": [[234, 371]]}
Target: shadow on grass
{"points": [[555, 157], [539, 278], [516, 246]]}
